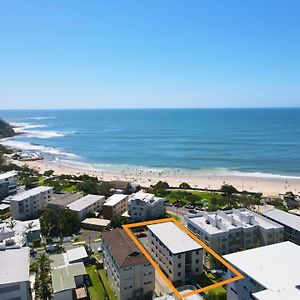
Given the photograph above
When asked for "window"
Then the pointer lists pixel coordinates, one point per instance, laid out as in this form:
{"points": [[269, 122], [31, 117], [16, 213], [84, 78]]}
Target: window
{"points": [[179, 256], [197, 269], [147, 282], [179, 274], [197, 261], [179, 265], [11, 288], [197, 251]]}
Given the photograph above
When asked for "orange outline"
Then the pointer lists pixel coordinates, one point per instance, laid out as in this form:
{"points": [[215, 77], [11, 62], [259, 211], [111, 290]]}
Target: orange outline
{"points": [[157, 268]]}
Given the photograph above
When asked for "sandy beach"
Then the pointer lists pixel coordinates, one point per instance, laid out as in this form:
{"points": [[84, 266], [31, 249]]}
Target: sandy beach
{"points": [[268, 186]]}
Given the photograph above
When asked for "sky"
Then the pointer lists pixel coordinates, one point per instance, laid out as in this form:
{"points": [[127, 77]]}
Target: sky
{"points": [[149, 54]]}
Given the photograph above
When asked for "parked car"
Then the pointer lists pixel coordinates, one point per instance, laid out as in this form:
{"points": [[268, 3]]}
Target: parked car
{"points": [[141, 235], [192, 211]]}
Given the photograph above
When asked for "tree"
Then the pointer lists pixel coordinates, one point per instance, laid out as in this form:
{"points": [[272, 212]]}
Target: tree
{"points": [[184, 186], [48, 173], [42, 285], [59, 223], [161, 185], [11, 224], [30, 182], [118, 221], [228, 189], [192, 198]]}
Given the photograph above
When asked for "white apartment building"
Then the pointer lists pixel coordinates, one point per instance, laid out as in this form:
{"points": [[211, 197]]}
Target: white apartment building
{"points": [[29, 204], [9, 180], [178, 255], [14, 274], [87, 204], [233, 230], [115, 205], [144, 206], [290, 222], [129, 272], [271, 273]]}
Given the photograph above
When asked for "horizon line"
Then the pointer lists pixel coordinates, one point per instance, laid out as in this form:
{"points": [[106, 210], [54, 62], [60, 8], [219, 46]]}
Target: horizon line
{"points": [[154, 108]]}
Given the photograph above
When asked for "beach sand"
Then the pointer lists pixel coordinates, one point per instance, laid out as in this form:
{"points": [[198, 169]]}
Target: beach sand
{"points": [[268, 186]]}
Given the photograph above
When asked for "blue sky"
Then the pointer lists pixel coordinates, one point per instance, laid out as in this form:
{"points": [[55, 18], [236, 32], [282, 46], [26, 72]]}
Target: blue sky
{"points": [[122, 54]]}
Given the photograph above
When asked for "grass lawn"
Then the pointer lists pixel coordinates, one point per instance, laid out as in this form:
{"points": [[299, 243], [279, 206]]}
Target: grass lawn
{"points": [[208, 279], [96, 291], [110, 292]]}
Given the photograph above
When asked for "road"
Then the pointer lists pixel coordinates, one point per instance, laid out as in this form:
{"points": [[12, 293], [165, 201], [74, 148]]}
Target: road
{"points": [[181, 212]]}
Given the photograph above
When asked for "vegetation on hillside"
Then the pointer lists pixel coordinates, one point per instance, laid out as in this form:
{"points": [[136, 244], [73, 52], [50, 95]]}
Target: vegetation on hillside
{"points": [[6, 130]]}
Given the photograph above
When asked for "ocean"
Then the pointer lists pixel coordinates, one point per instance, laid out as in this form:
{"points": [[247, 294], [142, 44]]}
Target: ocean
{"points": [[263, 142]]}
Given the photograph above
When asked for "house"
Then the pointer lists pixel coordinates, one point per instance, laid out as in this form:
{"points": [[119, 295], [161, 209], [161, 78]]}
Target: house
{"points": [[16, 234], [179, 256], [68, 273], [129, 272], [290, 222], [233, 230], [14, 274], [87, 204], [271, 273], [29, 204], [8, 184], [114, 206], [145, 206]]}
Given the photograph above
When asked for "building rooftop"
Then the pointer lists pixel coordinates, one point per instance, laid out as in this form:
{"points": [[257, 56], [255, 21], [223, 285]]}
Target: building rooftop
{"points": [[14, 265], [223, 221], [96, 221], [29, 193], [63, 277], [175, 239], [124, 250], [114, 199], [85, 201], [7, 175], [285, 218], [76, 254], [278, 272], [64, 199], [145, 197]]}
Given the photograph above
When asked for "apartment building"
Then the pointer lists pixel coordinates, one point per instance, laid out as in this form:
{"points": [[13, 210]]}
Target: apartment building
{"points": [[130, 274], [178, 255], [115, 205], [233, 230], [144, 206], [87, 204], [8, 184], [29, 204], [290, 222], [271, 273], [14, 274]]}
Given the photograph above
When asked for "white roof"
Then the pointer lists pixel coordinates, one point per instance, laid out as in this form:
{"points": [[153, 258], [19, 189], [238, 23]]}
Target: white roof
{"points": [[283, 294], [96, 221], [6, 175], [14, 265], [85, 201], [114, 199], [29, 193], [285, 218], [276, 267], [175, 239], [76, 254]]}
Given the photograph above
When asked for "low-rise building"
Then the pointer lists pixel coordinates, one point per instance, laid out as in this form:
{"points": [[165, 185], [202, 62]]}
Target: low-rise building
{"points": [[145, 206], [290, 222], [87, 204], [8, 184], [129, 272], [180, 257], [95, 224], [114, 206], [16, 234], [271, 273], [14, 274], [61, 201], [233, 230], [68, 273], [29, 204]]}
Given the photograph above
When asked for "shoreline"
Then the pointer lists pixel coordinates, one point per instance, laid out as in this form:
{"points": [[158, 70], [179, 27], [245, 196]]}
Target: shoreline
{"points": [[268, 186]]}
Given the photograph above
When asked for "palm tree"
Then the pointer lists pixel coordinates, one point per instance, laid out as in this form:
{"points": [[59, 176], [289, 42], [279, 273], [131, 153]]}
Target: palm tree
{"points": [[42, 285], [11, 224]]}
